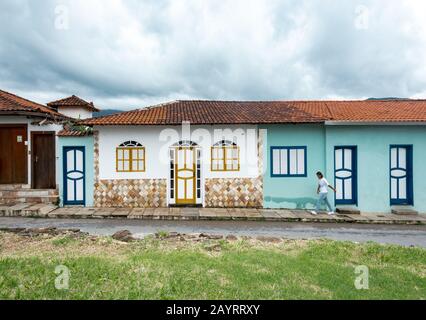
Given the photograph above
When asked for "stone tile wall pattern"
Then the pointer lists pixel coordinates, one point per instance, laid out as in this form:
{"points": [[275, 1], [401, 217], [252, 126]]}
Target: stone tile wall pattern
{"points": [[146, 193], [234, 192]]}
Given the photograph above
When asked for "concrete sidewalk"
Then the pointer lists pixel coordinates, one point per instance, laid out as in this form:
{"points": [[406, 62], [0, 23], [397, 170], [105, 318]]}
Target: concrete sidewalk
{"points": [[239, 214]]}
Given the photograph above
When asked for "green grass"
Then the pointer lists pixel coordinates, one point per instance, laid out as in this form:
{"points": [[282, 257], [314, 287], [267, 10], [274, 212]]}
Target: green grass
{"points": [[63, 241], [155, 269]]}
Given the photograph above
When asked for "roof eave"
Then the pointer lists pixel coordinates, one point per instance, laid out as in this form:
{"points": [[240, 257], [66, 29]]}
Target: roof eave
{"points": [[91, 123], [34, 114], [375, 123]]}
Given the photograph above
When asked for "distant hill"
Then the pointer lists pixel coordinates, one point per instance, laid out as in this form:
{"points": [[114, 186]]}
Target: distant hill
{"points": [[105, 112], [388, 98]]}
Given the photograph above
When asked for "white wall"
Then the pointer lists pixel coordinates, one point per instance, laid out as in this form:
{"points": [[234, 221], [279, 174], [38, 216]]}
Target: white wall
{"points": [[49, 127], [76, 113], [158, 139]]}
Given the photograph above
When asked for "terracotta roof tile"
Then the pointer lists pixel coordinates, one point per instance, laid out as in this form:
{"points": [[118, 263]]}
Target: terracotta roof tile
{"points": [[12, 103], [73, 133], [73, 101], [379, 111], [210, 112], [269, 112]]}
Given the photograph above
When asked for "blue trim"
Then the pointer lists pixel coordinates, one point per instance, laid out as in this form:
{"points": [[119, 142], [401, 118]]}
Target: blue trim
{"points": [[65, 172], [409, 201], [354, 176], [271, 155]]}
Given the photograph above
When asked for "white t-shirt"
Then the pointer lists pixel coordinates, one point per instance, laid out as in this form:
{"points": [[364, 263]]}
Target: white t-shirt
{"points": [[323, 185]]}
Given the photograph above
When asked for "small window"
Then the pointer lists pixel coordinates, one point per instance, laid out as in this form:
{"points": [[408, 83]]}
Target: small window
{"points": [[225, 156], [288, 162], [130, 157]]}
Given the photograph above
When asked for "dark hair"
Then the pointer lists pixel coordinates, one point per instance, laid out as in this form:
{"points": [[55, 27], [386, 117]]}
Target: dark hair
{"points": [[319, 173]]}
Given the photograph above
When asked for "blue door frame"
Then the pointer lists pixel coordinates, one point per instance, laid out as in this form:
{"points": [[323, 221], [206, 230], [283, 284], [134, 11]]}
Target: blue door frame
{"points": [[352, 174], [409, 199], [78, 175]]}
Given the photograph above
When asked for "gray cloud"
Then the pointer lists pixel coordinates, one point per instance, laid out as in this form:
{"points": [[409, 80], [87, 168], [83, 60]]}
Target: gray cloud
{"points": [[127, 54]]}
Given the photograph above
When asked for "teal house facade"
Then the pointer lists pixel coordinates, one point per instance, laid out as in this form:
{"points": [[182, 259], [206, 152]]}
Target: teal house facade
{"points": [[76, 167], [373, 167], [287, 190], [389, 164], [75, 151]]}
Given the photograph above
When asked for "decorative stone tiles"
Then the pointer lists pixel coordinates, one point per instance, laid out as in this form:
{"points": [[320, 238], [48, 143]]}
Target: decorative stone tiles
{"points": [[144, 193], [233, 192]]}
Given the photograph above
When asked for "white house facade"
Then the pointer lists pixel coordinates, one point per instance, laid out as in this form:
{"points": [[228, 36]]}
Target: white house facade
{"points": [[160, 166]]}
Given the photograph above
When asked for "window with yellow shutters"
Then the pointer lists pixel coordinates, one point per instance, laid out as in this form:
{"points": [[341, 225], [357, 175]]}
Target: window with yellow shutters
{"points": [[130, 157], [225, 156]]}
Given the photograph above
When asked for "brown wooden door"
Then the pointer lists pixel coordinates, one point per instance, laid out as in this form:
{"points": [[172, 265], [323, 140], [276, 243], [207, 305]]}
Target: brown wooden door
{"points": [[13, 154], [43, 160]]}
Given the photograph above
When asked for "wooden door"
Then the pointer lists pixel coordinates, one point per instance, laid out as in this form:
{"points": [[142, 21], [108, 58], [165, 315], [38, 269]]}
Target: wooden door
{"points": [[43, 160], [185, 176], [13, 154]]}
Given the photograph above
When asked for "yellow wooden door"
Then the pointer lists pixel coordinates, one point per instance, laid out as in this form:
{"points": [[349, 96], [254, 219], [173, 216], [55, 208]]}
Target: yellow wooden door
{"points": [[185, 176]]}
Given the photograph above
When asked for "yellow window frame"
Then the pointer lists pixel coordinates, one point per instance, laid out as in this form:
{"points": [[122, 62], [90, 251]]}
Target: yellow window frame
{"points": [[225, 158], [130, 160]]}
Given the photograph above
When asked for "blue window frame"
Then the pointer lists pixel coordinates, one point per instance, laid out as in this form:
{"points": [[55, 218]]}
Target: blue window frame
{"points": [[288, 161], [401, 175], [74, 175], [346, 175]]}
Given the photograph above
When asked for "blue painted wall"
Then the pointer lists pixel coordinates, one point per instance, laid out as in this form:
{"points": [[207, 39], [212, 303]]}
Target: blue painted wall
{"points": [[88, 143], [373, 143], [373, 161], [294, 192]]}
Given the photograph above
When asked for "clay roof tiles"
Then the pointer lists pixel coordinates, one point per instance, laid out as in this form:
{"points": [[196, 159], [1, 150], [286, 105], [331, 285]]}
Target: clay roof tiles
{"points": [[73, 101], [73, 133], [269, 112], [11, 103], [379, 111], [210, 112]]}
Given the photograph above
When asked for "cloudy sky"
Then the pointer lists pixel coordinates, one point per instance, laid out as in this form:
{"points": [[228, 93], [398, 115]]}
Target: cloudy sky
{"points": [[132, 53]]}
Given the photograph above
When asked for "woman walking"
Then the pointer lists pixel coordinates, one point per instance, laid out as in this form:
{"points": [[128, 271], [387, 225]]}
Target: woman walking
{"points": [[322, 191]]}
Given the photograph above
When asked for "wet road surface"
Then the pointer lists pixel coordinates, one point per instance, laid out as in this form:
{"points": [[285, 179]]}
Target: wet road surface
{"points": [[390, 234]]}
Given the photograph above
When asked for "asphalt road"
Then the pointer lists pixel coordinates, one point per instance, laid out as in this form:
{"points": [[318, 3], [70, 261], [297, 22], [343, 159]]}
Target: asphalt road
{"points": [[390, 234]]}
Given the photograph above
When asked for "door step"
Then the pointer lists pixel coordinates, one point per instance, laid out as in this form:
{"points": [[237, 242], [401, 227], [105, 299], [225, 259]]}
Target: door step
{"points": [[11, 187], [31, 200], [27, 210], [347, 211], [404, 211], [19, 196]]}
